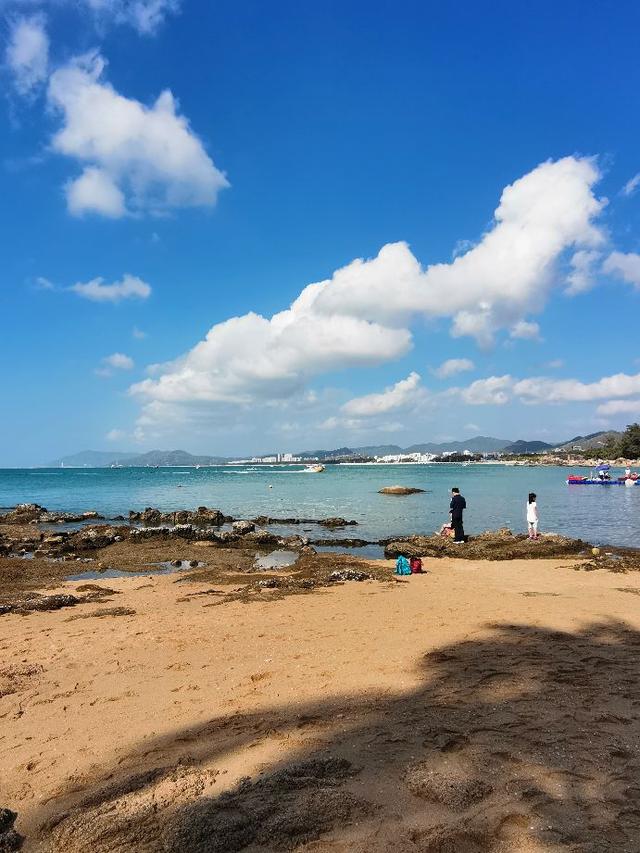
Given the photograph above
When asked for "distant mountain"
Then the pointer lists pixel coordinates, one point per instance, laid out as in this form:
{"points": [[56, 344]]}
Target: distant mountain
{"points": [[171, 458], [92, 459], [588, 442], [521, 446], [326, 454], [477, 444], [378, 450], [105, 458]]}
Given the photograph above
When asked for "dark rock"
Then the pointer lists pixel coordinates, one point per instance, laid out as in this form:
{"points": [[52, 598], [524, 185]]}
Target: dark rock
{"points": [[42, 602], [151, 517], [176, 563], [399, 490], [335, 522], [243, 527], [491, 545], [7, 819], [343, 543], [262, 537], [209, 517], [23, 514], [10, 841]]}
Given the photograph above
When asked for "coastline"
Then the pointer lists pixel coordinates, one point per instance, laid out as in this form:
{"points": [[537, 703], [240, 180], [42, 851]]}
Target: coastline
{"points": [[363, 716]]}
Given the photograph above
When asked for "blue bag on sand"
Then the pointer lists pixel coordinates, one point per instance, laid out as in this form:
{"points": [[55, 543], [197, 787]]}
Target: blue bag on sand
{"points": [[402, 566]]}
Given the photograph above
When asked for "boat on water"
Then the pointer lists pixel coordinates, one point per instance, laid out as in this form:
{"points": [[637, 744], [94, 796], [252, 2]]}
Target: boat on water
{"points": [[603, 478], [314, 469]]}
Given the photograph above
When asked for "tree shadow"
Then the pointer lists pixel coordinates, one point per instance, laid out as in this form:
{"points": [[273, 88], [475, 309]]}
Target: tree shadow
{"points": [[524, 740]]}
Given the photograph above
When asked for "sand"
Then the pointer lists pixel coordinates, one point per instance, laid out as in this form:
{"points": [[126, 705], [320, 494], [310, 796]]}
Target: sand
{"points": [[483, 706]]}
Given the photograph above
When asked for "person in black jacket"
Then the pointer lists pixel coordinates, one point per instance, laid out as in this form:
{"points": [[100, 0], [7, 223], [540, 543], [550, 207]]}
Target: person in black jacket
{"points": [[456, 508]]}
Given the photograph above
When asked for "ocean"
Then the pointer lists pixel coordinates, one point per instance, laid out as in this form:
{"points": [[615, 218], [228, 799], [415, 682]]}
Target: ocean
{"points": [[496, 496]]}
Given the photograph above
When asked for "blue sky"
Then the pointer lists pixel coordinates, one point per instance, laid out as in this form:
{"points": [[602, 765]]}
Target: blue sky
{"points": [[298, 138]]}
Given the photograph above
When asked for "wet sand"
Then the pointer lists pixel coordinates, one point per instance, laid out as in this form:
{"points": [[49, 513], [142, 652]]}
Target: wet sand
{"points": [[483, 706]]}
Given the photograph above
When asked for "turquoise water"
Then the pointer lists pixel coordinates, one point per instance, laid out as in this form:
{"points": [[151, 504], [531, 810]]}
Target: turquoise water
{"points": [[495, 494]]}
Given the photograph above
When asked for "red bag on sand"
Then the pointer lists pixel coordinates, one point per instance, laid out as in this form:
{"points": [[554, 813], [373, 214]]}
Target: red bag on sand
{"points": [[415, 564]]}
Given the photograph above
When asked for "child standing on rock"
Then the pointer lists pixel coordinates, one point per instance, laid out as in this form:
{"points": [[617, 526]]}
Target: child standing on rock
{"points": [[532, 516]]}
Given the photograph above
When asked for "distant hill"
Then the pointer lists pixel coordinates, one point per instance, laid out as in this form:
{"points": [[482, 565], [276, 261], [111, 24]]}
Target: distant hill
{"points": [[171, 458], [105, 458], [91, 459], [378, 450], [326, 454], [591, 441], [477, 444], [521, 446]]}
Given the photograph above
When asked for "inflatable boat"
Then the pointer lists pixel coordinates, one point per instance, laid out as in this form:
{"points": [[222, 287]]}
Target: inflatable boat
{"points": [[575, 480]]}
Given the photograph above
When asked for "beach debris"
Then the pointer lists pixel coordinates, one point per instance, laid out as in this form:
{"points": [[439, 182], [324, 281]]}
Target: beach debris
{"points": [[103, 611], [348, 575], [10, 840], [400, 490]]}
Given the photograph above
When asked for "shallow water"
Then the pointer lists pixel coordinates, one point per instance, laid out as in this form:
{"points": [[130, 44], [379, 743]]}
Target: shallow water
{"points": [[496, 496], [153, 569], [276, 560]]}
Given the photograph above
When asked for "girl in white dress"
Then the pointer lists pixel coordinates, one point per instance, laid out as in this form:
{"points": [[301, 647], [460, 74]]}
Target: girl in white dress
{"points": [[532, 516]]}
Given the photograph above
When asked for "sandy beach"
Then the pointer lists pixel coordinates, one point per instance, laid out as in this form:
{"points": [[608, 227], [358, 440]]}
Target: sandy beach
{"points": [[483, 706]]}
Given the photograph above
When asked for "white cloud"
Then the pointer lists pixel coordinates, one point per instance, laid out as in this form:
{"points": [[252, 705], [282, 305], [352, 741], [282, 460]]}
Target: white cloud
{"points": [[540, 390], [624, 266], [27, 54], [452, 366], [555, 364], [95, 192], [494, 390], [471, 428], [251, 358], [632, 185], [144, 15], [403, 393], [544, 390], [129, 287], [115, 435], [525, 331], [508, 273], [361, 315], [119, 361], [43, 283], [138, 334], [581, 277], [136, 158], [619, 407]]}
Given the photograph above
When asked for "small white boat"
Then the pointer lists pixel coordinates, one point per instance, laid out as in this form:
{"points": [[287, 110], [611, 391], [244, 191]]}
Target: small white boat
{"points": [[314, 469]]}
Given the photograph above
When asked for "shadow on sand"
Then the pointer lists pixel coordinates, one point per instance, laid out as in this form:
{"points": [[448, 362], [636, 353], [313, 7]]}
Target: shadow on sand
{"points": [[525, 740]]}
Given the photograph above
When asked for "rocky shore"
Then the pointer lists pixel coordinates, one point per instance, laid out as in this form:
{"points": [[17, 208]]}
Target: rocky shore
{"points": [[37, 552], [189, 683]]}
